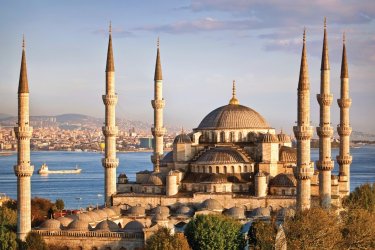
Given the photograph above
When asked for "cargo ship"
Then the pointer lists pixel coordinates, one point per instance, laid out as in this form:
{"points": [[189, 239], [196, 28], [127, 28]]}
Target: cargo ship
{"points": [[43, 170]]}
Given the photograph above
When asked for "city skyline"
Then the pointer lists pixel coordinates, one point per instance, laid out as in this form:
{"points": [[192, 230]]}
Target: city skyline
{"points": [[204, 46]]}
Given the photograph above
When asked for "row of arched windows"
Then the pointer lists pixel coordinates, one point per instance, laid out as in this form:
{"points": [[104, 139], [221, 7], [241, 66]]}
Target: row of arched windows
{"points": [[222, 169], [232, 136]]}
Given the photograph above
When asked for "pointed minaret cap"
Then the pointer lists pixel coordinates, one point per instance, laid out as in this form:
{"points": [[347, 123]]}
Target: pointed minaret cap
{"points": [[303, 82], [110, 61], [23, 86], [158, 73], [344, 62], [325, 57], [234, 100]]}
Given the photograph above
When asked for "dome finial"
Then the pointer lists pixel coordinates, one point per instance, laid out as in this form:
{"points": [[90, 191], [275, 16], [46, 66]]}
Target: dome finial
{"points": [[110, 27], [234, 100], [158, 43], [23, 41], [325, 22], [182, 130], [343, 37]]}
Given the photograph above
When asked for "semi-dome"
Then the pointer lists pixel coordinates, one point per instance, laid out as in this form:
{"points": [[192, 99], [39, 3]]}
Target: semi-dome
{"points": [[287, 154], [133, 226], [233, 116], [236, 212], [283, 180], [107, 225], [270, 138], [211, 205], [283, 137], [222, 155], [155, 179], [51, 225], [182, 139]]}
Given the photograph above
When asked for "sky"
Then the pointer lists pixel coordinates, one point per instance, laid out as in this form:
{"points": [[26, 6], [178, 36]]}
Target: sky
{"points": [[205, 45]]}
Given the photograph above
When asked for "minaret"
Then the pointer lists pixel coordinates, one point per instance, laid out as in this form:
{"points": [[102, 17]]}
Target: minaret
{"points": [[325, 131], [158, 104], [303, 133], [110, 130], [344, 159], [23, 170]]}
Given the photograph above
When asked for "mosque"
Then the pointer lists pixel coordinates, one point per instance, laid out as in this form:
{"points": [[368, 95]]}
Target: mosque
{"points": [[233, 163]]}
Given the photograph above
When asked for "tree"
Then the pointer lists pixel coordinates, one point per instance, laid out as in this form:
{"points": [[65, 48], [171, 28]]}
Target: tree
{"points": [[7, 237], [362, 197], [214, 232], [262, 235], [313, 229], [35, 241], [164, 240], [39, 210], [359, 229], [59, 204]]}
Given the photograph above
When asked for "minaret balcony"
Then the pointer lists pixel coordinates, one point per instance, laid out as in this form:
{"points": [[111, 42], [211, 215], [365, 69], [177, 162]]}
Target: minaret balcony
{"points": [[23, 133], [304, 172], [343, 177], [325, 165], [303, 132], [324, 131], [324, 99], [344, 159], [110, 99], [158, 132], [23, 170], [110, 130], [344, 130], [158, 104], [344, 102], [110, 163]]}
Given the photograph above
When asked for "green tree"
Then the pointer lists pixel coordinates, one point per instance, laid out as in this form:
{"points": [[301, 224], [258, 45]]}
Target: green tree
{"points": [[35, 242], [316, 228], [363, 197], [59, 204], [7, 237], [39, 210], [214, 232], [359, 229], [262, 235], [164, 240]]}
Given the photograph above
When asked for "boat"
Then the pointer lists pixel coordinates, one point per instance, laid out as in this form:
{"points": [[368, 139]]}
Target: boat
{"points": [[43, 170]]}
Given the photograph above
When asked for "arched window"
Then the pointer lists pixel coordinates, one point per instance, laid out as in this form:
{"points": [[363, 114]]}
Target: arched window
{"points": [[245, 169], [210, 170], [214, 137], [233, 169], [231, 137], [217, 169], [239, 136], [214, 189], [225, 170], [283, 192], [241, 188], [224, 188], [222, 136]]}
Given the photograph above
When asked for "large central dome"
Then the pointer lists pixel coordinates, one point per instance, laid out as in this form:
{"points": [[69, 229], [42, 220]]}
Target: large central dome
{"points": [[233, 116]]}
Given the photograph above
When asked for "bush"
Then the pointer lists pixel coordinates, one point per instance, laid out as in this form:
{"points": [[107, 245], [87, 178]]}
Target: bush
{"points": [[262, 235], [363, 197], [164, 240]]}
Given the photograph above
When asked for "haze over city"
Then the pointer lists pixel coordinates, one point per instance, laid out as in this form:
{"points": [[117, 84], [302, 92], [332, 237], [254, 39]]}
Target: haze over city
{"points": [[204, 46]]}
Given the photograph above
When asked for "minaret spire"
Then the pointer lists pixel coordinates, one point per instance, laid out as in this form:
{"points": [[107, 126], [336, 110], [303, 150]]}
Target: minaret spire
{"points": [[344, 159], [23, 170], [325, 131], [234, 100], [158, 104], [110, 162], [303, 133]]}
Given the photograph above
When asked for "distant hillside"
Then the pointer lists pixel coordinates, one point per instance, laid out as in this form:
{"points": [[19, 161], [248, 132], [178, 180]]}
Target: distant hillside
{"points": [[76, 118], [361, 136], [4, 116]]}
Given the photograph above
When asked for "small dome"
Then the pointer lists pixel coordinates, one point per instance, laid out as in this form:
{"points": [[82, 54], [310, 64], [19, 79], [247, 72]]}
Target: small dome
{"points": [[84, 217], [102, 215], [110, 213], [122, 175], [51, 225], [261, 212], [283, 180], [236, 212], [79, 225], [182, 139], [137, 211], [270, 138], [283, 138], [222, 155], [65, 221], [155, 179], [116, 209], [211, 205], [285, 212], [161, 210], [134, 226], [185, 211], [94, 216], [287, 154], [215, 178], [107, 225], [160, 217]]}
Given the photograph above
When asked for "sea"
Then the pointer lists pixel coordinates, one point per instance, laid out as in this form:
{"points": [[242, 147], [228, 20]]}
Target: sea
{"points": [[86, 189]]}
